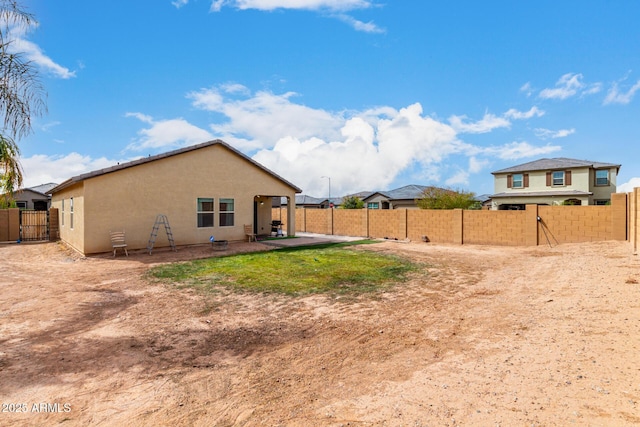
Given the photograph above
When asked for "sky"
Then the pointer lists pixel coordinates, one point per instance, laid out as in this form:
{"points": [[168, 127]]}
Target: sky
{"points": [[337, 96]]}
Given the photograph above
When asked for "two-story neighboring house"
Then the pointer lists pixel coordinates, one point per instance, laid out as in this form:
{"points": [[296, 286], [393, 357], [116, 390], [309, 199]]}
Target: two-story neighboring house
{"points": [[554, 182]]}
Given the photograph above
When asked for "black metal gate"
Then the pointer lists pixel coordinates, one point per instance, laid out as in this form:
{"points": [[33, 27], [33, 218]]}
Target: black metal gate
{"points": [[34, 225]]}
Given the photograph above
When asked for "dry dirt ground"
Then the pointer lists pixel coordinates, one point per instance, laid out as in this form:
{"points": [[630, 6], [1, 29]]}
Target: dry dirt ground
{"points": [[493, 336]]}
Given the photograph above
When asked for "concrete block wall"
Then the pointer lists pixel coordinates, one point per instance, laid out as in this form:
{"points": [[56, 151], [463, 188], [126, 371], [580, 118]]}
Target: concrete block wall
{"points": [[507, 228], [634, 217], [435, 225], [9, 225], [575, 224], [318, 221], [390, 224], [350, 222], [557, 224]]}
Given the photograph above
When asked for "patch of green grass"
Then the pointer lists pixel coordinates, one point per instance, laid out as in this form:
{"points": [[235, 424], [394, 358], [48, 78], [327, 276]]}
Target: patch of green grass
{"points": [[330, 268]]}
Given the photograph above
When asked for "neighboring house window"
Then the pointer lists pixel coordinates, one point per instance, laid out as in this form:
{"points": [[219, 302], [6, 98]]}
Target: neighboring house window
{"points": [[558, 178], [227, 213], [517, 180], [21, 205], [205, 212], [62, 214], [602, 177], [372, 205], [601, 202], [71, 213]]}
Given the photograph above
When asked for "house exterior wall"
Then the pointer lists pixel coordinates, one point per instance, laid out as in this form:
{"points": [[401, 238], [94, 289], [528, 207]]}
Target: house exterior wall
{"points": [[72, 235], [29, 197], [130, 199], [379, 199], [602, 192]]}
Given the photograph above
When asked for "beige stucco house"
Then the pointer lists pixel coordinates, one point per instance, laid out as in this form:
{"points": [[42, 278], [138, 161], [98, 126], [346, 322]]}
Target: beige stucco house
{"points": [[399, 198], [554, 182], [205, 190]]}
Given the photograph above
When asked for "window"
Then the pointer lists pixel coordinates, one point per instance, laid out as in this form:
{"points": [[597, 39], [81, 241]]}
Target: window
{"points": [[226, 213], [602, 177], [62, 214], [372, 205], [558, 178], [601, 202], [21, 205], [517, 181], [71, 213], [205, 212]]}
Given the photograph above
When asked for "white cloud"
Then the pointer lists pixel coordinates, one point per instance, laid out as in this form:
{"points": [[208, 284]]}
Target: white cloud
{"points": [[166, 133], [365, 27], [369, 154], [34, 54], [615, 96], [519, 150], [488, 123], [527, 89], [42, 169], [358, 149], [336, 5], [520, 115], [334, 8], [265, 117], [567, 86], [460, 178], [628, 186], [476, 165], [179, 3], [570, 84], [547, 133]]}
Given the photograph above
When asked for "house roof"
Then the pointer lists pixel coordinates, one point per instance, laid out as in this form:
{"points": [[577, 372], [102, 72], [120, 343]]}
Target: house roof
{"points": [[574, 193], [408, 192], [43, 188], [120, 166], [556, 163]]}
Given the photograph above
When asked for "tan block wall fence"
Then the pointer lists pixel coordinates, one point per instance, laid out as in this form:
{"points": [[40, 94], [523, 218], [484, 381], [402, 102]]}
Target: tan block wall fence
{"points": [[10, 225], [557, 224]]}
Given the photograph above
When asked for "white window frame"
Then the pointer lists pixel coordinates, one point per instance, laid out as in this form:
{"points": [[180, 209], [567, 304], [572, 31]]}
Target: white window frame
{"points": [[514, 180], [201, 213], [224, 202], [373, 205], [62, 214], [558, 181], [606, 171], [71, 213]]}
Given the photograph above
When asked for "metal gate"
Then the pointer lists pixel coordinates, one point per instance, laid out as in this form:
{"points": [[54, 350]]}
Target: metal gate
{"points": [[34, 225]]}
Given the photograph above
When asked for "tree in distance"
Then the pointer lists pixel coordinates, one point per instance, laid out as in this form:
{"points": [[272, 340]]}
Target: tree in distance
{"points": [[21, 97], [445, 198]]}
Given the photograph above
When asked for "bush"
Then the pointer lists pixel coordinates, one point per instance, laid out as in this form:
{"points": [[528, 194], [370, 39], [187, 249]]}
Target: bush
{"points": [[443, 198]]}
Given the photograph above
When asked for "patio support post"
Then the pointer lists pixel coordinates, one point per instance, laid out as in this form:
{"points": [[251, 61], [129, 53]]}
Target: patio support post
{"points": [[291, 216]]}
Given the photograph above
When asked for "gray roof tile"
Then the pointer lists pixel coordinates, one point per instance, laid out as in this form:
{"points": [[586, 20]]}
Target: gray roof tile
{"points": [[555, 164]]}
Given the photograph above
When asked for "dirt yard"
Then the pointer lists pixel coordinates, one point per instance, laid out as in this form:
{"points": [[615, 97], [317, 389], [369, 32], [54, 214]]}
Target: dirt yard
{"points": [[494, 336]]}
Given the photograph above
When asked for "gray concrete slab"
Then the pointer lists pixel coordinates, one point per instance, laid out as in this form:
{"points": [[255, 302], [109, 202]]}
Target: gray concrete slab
{"points": [[304, 239]]}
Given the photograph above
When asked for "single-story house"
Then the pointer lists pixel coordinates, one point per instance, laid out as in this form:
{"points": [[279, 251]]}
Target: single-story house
{"points": [[304, 201], [34, 198], [205, 190], [403, 197]]}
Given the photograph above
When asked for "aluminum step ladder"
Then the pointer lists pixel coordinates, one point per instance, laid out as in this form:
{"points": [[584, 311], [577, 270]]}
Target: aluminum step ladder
{"points": [[161, 220]]}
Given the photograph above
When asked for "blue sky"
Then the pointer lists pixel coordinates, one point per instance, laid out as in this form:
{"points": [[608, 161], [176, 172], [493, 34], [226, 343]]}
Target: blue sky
{"points": [[373, 94]]}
